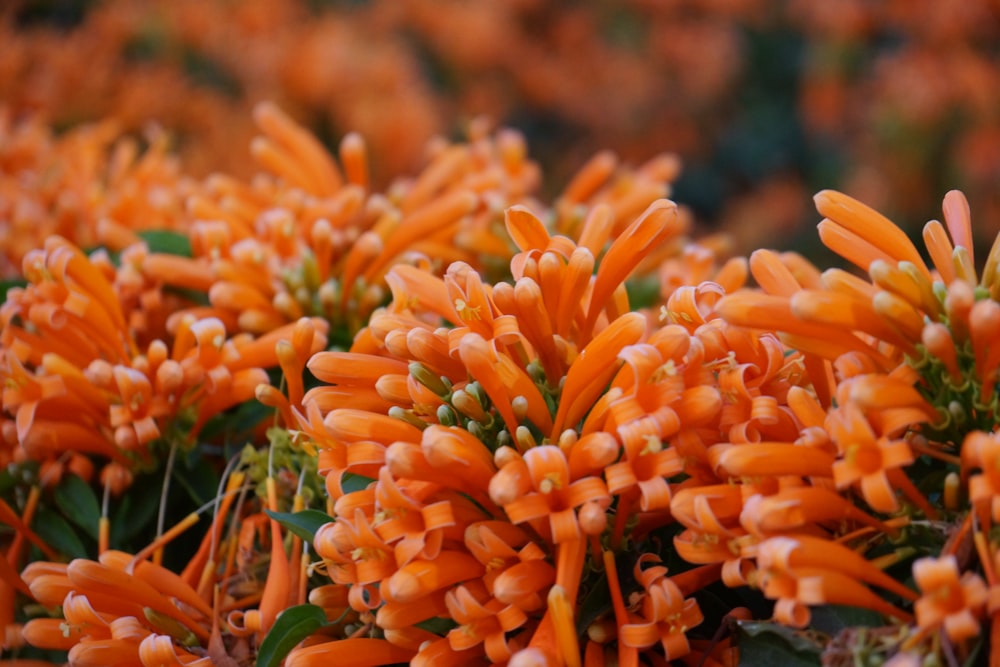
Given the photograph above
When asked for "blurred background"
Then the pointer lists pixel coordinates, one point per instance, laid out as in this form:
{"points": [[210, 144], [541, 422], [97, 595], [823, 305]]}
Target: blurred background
{"points": [[766, 101]]}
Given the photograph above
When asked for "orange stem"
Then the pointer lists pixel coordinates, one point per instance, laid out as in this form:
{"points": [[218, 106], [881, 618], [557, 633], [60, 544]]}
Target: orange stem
{"points": [[103, 534], [30, 505], [901, 481], [164, 539], [693, 580], [10, 517], [985, 557], [625, 502], [276, 588], [958, 537], [627, 657]]}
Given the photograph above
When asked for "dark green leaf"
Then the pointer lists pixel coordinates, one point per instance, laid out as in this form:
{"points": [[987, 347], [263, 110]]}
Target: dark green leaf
{"points": [[173, 243], [58, 534], [973, 658], [766, 643], [194, 296], [438, 625], [304, 523], [7, 480], [351, 482], [832, 618], [197, 477], [136, 510], [642, 293], [78, 503], [236, 425], [7, 284], [596, 602], [292, 626]]}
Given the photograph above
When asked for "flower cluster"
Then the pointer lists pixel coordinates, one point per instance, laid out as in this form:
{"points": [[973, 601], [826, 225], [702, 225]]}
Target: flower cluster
{"points": [[126, 356], [890, 99], [445, 423]]}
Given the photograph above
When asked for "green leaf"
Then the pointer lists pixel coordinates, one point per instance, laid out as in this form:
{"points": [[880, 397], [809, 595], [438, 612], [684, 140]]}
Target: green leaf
{"points": [[351, 482], [766, 643], [196, 476], [5, 285], [596, 602], [194, 296], [304, 523], [832, 618], [236, 425], [78, 502], [438, 625], [643, 293], [136, 509], [58, 534], [292, 626], [7, 480], [973, 658], [173, 243]]}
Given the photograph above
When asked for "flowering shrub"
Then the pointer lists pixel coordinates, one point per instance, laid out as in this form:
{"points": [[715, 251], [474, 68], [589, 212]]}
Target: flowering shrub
{"points": [[449, 424], [300, 411], [765, 100]]}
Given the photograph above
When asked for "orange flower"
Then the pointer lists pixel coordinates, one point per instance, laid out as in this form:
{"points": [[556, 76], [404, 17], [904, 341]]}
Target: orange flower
{"points": [[797, 588], [77, 378], [794, 508], [784, 553], [354, 554], [419, 522], [516, 570], [980, 452], [853, 222], [482, 620], [644, 417], [866, 459], [354, 652], [538, 486], [666, 615], [949, 602]]}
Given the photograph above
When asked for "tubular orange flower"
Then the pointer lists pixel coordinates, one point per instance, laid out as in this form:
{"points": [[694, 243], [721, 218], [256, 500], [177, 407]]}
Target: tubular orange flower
{"points": [[839, 309], [666, 615], [864, 223], [657, 223], [161, 650], [950, 602], [774, 312], [866, 458], [771, 458], [106, 652], [88, 575], [794, 508], [355, 652], [418, 529], [323, 177], [483, 620], [784, 553], [816, 586], [551, 494], [420, 577], [980, 451], [594, 367]]}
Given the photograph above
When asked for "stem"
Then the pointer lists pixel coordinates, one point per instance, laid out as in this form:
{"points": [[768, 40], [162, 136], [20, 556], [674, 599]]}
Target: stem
{"points": [[899, 478], [627, 657], [162, 516], [625, 502], [156, 546]]}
